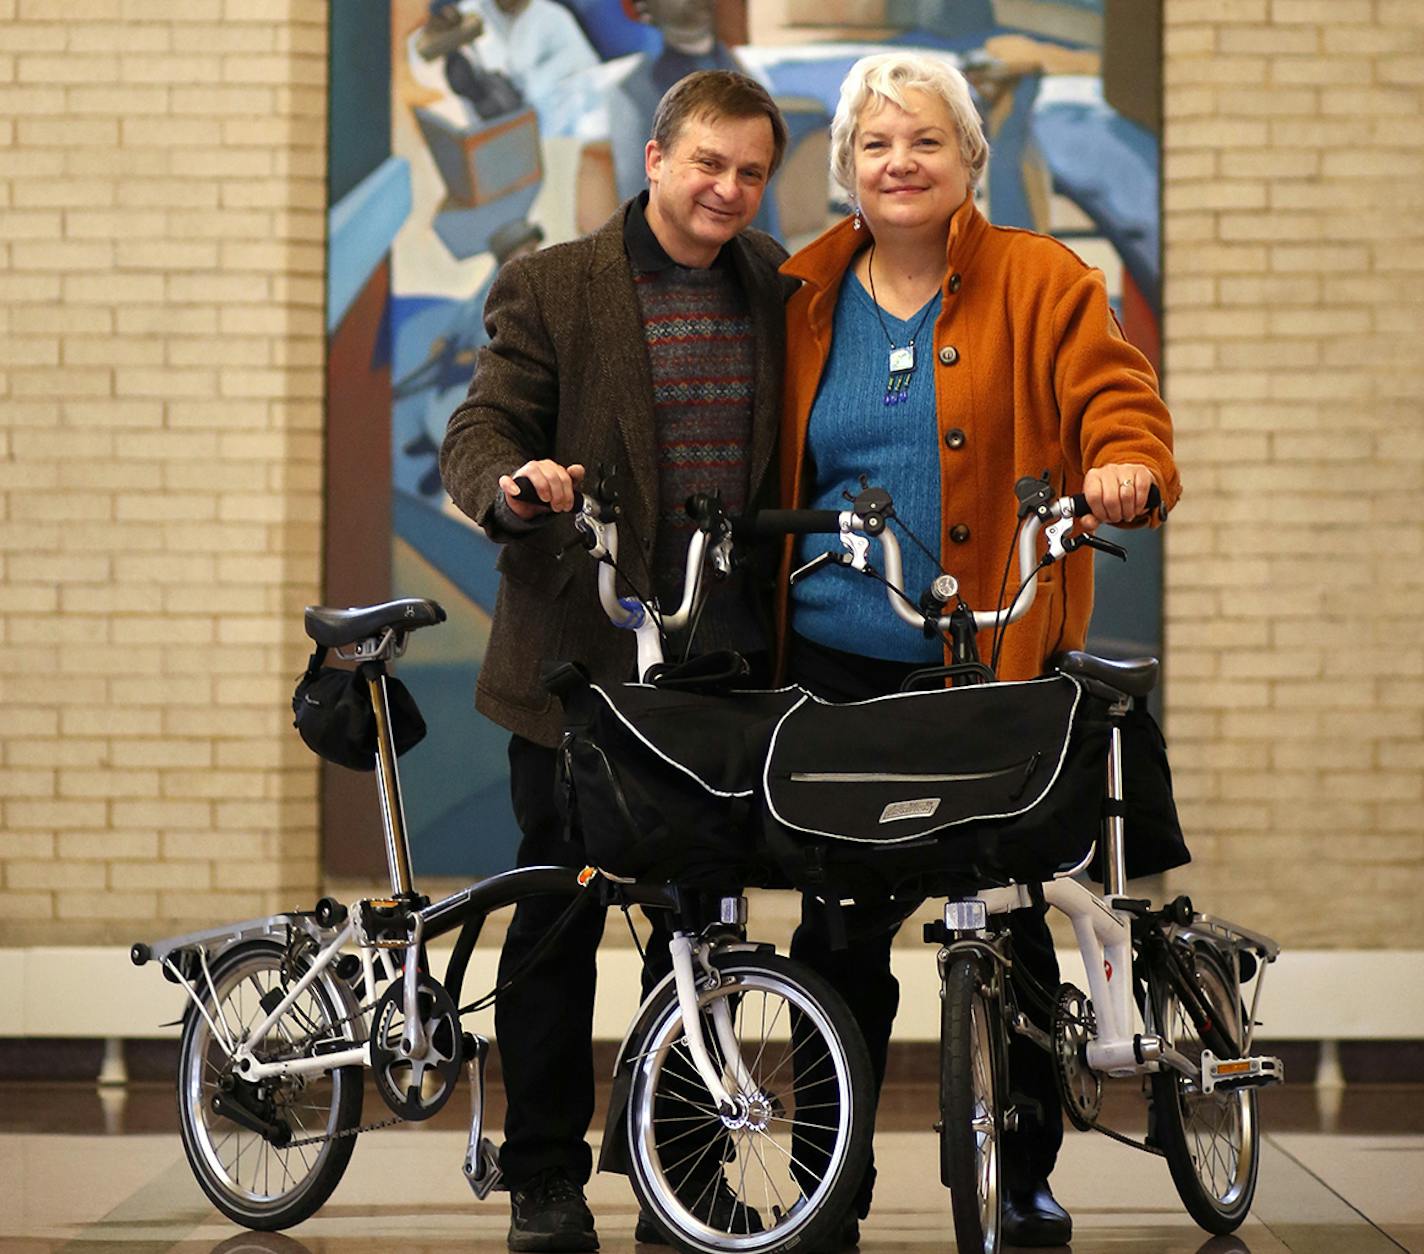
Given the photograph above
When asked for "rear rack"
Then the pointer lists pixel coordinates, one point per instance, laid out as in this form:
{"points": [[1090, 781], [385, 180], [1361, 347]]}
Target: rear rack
{"points": [[1232, 935], [220, 938], [1237, 940]]}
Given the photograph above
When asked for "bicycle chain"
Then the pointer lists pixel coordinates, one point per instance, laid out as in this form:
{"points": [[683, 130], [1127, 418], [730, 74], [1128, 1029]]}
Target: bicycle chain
{"points": [[298, 1049], [1040, 993], [347, 1132], [298, 1046], [1125, 1140]]}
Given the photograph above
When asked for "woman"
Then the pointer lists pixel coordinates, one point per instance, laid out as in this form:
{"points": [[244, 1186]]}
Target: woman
{"points": [[945, 358]]}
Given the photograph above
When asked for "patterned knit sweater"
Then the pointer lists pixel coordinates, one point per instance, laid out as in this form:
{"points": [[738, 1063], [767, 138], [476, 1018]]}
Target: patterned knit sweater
{"points": [[702, 358]]}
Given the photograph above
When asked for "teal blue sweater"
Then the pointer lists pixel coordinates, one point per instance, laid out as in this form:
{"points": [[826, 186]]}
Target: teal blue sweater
{"points": [[853, 432]]}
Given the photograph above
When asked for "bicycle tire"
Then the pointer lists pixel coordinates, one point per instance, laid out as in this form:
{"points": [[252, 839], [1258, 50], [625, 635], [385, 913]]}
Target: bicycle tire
{"points": [[799, 1175], [971, 1116], [1211, 1143], [249, 1179]]}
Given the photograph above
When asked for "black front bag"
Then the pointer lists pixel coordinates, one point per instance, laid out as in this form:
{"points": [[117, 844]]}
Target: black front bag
{"points": [[662, 783], [911, 794], [930, 791]]}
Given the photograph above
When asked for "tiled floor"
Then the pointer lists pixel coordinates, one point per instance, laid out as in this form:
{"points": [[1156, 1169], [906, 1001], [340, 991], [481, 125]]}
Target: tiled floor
{"points": [[85, 1172]]}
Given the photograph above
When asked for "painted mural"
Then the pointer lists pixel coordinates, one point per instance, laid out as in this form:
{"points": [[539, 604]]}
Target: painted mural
{"points": [[467, 132]]}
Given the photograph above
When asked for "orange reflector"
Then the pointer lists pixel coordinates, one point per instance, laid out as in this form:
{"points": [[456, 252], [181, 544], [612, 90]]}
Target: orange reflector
{"points": [[1232, 1068], [586, 874]]}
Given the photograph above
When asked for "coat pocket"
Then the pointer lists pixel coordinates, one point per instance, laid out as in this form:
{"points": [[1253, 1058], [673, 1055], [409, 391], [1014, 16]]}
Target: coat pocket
{"points": [[531, 609], [533, 564]]}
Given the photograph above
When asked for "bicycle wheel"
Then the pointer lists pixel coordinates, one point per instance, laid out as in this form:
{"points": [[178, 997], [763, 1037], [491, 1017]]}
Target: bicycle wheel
{"points": [[250, 1177], [785, 1168], [971, 1118], [1211, 1142]]}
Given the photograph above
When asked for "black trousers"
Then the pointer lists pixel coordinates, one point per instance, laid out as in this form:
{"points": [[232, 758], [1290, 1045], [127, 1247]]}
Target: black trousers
{"points": [[544, 1023], [861, 971]]}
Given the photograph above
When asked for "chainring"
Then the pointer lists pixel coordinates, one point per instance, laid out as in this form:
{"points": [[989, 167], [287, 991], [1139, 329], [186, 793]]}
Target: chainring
{"points": [[1080, 1088], [415, 1088]]}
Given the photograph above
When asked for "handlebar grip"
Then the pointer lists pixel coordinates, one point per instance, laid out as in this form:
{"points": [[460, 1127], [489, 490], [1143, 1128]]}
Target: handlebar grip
{"points": [[1080, 502], [787, 522], [526, 492]]}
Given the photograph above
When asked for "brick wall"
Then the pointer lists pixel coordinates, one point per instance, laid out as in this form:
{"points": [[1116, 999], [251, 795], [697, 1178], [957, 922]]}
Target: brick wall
{"points": [[161, 185], [1294, 227], [162, 173]]}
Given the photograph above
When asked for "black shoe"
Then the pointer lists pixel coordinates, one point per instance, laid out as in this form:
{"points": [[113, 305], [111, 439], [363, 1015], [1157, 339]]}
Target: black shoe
{"points": [[549, 1216], [720, 1209], [846, 1236], [1033, 1218]]}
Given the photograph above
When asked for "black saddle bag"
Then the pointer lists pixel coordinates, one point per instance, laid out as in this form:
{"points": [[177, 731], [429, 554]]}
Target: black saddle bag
{"points": [[332, 712]]}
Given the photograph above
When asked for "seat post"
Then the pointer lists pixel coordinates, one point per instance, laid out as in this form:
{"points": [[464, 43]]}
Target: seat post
{"points": [[1114, 853], [388, 785]]}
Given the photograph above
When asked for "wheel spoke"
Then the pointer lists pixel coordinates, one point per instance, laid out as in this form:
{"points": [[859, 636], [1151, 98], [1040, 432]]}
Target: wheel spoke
{"points": [[248, 1175], [798, 1122], [768, 1181], [791, 1054], [1210, 1133], [682, 1146]]}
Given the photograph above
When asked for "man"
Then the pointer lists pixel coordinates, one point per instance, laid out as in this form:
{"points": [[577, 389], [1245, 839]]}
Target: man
{"points": [[539, 45], [653, 345]]}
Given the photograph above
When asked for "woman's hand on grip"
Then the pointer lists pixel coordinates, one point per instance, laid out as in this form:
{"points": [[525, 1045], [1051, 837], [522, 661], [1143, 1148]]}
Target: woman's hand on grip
{"points": [[1116, 492]]}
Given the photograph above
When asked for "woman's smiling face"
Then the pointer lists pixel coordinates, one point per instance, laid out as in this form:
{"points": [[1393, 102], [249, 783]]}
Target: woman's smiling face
{"points": [[909, 172]]}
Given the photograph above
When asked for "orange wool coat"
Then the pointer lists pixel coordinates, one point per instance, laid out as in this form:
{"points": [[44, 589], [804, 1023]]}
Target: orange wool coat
{"points": [[1031, 369]]}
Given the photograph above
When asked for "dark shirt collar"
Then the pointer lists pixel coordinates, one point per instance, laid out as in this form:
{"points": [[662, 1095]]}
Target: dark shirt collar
{"points": [[644, 250]]}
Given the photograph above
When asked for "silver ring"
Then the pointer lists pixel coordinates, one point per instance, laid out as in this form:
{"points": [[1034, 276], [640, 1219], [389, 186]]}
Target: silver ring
{"points": [[1126, 483]]}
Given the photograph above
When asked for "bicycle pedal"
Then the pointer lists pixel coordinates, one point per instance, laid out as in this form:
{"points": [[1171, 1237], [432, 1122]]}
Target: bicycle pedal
{"points": [[483, 1171], [383, 923], [1239, 1073]]}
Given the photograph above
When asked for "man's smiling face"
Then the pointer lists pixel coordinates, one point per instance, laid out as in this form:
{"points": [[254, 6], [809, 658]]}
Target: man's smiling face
{"points": [[707, 184]]}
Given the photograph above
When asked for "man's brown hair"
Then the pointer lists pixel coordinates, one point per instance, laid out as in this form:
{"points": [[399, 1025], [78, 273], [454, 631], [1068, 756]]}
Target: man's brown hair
{"points": [[717, 94]]}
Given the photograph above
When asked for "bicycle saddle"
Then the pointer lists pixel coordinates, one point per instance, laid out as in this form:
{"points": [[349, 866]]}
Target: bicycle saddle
{"points": [[334, 628], [1135, 676]]}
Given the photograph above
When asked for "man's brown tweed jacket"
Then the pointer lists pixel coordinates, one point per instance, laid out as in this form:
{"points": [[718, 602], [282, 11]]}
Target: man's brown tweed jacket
{"points": [[565, 376]]}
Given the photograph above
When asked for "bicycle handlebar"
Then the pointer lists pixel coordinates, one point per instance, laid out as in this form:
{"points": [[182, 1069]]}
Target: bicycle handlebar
{"points": [[767, 523], [1048, 512], [596, 512]]}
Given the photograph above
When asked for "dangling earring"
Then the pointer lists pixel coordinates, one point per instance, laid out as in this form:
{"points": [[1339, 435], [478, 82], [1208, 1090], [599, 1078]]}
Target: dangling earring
{"points": [[855, 222]]}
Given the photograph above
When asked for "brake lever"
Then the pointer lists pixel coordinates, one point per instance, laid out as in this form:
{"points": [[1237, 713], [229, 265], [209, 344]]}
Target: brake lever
{"points": [[819, 562], [1085, 539], [1102, 546]]}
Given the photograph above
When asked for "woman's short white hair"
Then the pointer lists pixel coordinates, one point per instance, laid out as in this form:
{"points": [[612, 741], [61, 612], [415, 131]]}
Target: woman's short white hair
{"points": [[888, 76]]}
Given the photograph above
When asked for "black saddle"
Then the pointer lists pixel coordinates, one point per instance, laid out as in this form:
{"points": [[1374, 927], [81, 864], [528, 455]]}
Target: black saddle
{"points": [[1135, 676], [333, 628]]}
